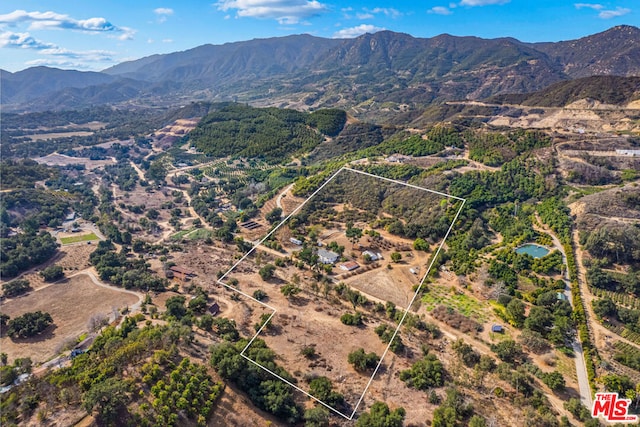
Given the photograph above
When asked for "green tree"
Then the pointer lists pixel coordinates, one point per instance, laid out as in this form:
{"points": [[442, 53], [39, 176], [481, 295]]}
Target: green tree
{"points": [[554, 380], [381, 416], [396, 256], [316, 417], [175, 306], [290, 290], [109, 400], [29, 324], [420, 244], [259, 294], [515, 312], [52, 273], [477, 421], [508, 351], [362, 361], [16, 287], [274, 216], [424, 374], [605, 308], [267, 272], [322, 389]]}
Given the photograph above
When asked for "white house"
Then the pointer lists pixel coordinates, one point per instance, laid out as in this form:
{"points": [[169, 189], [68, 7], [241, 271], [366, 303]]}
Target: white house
{"points": [[327, 257]]}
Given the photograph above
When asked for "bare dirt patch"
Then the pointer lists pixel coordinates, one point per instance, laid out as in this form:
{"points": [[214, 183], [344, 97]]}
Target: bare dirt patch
{"points": [[71, 305], [62, 160]]}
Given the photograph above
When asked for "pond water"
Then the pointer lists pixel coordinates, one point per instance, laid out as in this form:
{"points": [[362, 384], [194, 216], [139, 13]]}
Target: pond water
{"points": [[532, 249]]}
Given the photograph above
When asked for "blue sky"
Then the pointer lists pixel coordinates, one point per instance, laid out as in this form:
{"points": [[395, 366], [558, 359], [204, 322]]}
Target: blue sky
{"points": [[95, 34]]}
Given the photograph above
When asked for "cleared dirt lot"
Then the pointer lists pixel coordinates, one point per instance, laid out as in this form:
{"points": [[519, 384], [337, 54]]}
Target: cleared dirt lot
{"points": [[71, 305]]}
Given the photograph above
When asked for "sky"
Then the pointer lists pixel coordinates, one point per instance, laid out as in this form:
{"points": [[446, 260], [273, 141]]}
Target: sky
{"points": [[92, 35]]}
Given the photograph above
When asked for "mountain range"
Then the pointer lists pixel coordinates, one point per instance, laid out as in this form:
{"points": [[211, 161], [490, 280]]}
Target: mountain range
{"points": [[308, 72]]}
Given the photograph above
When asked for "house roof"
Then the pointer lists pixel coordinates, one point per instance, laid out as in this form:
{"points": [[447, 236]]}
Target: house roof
{"points": [[350, 265], [327, 254]]}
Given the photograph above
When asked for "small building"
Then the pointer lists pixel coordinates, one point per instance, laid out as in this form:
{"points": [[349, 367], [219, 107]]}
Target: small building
{"points": [[214, 309], [497, 328], [295, 241], [413, 271], [327, 257], [560, 296], [182, 273], [349, 266], [372, 255], [71, 217]]}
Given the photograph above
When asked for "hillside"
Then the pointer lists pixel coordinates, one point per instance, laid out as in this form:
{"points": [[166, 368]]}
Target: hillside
{"points": [[614, 90], [368, 74]]}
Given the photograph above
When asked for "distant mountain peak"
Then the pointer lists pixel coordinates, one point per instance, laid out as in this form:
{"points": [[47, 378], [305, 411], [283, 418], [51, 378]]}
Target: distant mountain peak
{"points": [[315, 72]]}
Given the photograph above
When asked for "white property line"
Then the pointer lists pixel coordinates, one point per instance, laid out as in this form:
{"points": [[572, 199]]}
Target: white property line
{"points": [[435, 256]]}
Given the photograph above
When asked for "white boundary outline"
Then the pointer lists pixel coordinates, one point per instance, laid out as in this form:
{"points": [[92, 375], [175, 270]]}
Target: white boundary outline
{"points": [[406, 311]]}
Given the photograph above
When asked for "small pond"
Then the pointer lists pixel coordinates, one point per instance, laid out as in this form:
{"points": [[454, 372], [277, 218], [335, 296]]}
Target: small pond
{"points": [[532, 249]]}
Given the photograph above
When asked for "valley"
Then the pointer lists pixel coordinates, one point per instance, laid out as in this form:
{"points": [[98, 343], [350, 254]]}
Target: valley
{"points": [[357, 257]]}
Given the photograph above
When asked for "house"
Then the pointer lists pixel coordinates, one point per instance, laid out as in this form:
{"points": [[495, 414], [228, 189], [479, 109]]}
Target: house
{"points": [[295, 241], [327, 257], [182, 273], [349, 266], [372, 255], [497, 328], [71, 217]]}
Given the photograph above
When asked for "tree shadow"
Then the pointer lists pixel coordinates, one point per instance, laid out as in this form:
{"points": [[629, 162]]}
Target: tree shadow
{"points": [[47, 334]]}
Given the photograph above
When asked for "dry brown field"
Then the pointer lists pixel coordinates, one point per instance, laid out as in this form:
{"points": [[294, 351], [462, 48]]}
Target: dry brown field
{"points": [[71, 304]]}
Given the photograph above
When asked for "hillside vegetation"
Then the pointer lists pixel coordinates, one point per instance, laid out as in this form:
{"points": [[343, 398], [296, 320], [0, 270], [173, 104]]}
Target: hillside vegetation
{"points": [[269, 134]]}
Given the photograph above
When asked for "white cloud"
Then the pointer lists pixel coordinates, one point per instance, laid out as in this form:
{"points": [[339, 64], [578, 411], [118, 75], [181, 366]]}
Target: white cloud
{"points": [[482, 2], [439, 10], [52, 20], [286, 12], [608, 14], [23, 41], [163, 13], [349, 33], [58, 63], [593, 6], [10, 39], [167, 40], [365, 15], [389, 11]]}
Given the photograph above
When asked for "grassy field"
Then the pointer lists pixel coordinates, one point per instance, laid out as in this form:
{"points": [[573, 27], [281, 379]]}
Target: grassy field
{"points": [[463, 303], [80, 238]]}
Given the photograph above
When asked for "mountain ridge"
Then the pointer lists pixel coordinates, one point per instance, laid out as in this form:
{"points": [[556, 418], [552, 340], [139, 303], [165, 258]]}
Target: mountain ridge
{"points": [[305, 71]]}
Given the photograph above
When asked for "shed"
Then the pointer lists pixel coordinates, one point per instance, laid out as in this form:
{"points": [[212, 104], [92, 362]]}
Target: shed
{"points": [[372, 255], [295, 241], [349, 266], [497, 328], [214, 309], [560, 296]]}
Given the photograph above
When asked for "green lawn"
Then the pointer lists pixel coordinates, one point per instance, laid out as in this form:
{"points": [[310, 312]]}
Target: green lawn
{"points": [[80, 238]]}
